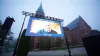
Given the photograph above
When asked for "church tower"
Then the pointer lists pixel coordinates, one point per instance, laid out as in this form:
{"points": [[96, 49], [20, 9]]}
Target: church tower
{"points": [[40, 11]]}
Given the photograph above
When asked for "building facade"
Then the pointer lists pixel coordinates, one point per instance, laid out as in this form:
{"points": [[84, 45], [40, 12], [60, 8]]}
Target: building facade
{"points": [[77, 30], [74, 32]]}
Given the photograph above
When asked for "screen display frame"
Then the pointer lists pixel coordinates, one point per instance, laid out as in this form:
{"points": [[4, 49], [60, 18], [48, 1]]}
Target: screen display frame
{"points": [[28, 33]]}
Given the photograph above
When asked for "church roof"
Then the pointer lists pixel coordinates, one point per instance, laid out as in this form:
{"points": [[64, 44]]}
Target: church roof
{"points": [[74, 23], [94, 33], [40, 9]]}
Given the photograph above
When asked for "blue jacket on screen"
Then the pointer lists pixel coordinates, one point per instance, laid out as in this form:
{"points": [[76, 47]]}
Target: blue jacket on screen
{"points": [[44, 32]]}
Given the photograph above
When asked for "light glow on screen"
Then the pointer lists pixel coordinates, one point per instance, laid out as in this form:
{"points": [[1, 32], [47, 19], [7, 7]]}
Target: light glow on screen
{"points": [[38, 25]]}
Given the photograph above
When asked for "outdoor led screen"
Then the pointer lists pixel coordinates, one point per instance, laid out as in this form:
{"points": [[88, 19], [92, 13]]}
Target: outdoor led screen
{"points": [[43, 27]]}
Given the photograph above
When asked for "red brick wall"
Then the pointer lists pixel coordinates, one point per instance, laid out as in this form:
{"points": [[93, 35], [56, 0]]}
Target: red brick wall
{"points": [[80, 32], [75, 36]]}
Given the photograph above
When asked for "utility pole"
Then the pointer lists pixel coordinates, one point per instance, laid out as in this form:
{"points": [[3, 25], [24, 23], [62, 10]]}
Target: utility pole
{"points": [[67, 43], [18, 40]]}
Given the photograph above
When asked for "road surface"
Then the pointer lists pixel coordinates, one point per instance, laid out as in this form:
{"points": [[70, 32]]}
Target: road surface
{"points": [[74, 52]]}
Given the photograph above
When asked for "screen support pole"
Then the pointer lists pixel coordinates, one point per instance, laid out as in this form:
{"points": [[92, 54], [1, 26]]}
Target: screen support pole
{"points": [[18, 40], [67, 43]]}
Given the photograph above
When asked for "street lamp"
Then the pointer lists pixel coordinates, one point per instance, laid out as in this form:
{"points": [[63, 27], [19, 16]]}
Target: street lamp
{"points": [[18, 40]]}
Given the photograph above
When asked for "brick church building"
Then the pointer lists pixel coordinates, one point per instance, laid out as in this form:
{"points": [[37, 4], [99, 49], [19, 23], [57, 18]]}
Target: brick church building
{"points": [[74, 31], [77, 30]]}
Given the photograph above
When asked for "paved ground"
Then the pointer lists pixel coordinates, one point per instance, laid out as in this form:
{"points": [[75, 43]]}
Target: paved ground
{"points": [[79, 51], [74, 52]]}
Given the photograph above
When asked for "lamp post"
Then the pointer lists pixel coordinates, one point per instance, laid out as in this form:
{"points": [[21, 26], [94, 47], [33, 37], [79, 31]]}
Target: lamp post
{"points": [[67, 43], [18, 40]]}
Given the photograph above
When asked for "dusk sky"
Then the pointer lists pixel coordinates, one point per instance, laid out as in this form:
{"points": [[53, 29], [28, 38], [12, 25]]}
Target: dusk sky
{"points": [[64, 9]]}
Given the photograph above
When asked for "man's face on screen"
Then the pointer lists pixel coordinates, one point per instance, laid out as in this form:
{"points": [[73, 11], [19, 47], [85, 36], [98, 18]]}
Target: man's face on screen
{"points": [[48, 27]]}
